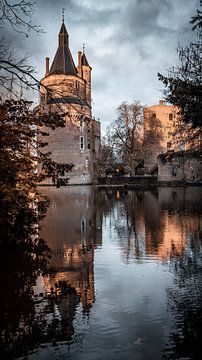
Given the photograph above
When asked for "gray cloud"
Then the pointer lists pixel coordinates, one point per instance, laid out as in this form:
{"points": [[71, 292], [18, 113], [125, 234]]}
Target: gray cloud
{"points": [[127, 43]]}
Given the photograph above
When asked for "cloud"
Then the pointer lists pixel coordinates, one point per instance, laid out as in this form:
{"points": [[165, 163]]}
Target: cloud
{"points": [[127, 43]]}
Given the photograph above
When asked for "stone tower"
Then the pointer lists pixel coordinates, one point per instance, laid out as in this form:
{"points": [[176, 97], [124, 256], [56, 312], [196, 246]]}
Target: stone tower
{"points": [[67, 88], [160, 123]]}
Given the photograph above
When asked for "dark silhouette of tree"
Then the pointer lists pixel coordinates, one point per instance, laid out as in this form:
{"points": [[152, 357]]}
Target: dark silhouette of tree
{"points": [[23, 256], [21, 139], [183, 83]]}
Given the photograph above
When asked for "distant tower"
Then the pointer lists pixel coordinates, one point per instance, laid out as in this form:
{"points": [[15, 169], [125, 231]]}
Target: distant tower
{"points": [[160, 123], [69, 91]]}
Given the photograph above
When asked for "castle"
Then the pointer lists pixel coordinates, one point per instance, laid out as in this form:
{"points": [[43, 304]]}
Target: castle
{"points": [[66, 89]]}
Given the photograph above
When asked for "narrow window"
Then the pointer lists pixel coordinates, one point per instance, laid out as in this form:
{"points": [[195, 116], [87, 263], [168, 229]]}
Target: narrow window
{"points": [[170, 116], [81, 124], [83, 225], [81, 142]]}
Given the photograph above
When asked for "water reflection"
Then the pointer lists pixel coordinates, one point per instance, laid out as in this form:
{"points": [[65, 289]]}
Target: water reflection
{"points": [[22, 256], [72, 228], [171, 221], [157, 224], [124, 277]]}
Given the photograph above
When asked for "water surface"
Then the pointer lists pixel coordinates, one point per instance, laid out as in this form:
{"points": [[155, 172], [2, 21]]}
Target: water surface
{"points": [[124, 279]]}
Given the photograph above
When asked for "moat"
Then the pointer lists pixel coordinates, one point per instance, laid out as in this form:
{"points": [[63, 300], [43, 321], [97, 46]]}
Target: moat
{"points": [[123, 280]]}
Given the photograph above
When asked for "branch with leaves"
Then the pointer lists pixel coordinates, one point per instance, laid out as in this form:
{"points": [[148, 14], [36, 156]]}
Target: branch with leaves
{"points": [[184, 82]]}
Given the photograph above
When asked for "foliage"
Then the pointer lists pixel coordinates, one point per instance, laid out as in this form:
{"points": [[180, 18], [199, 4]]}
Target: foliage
{"points": [[183, 83], [23, 252], [19, 155]]}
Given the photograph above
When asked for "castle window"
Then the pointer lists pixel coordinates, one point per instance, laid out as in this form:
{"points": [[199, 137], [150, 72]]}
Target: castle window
{"points": [[81, 143], [170, 116], [88, 145], [81, 124], [83, 225], [77, 85], [168, 145]]}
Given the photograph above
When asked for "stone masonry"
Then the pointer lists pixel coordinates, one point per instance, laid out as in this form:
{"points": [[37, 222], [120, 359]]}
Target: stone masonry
{"points": [[180, 167]]}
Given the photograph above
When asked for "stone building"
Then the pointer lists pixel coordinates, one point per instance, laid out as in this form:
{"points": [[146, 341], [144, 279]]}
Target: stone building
{"points": [[165, 132], [180, 167], [160, 122], [66, 88]]}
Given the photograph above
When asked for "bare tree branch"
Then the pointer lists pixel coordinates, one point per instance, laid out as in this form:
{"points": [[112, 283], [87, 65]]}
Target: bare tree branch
{"points": [[18, 16]]}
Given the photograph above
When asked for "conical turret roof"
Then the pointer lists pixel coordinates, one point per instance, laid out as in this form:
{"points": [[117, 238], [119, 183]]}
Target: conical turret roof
{"points": [[63, 62], [84, 60]]}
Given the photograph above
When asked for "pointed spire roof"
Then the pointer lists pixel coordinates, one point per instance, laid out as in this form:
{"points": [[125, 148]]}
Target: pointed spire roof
{"points": [[63, 62], [84, 60]]}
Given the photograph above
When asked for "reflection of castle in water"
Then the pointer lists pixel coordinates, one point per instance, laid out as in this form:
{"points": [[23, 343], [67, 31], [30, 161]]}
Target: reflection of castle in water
{"points": [[171, 220], [72, 229], [155, 223]]}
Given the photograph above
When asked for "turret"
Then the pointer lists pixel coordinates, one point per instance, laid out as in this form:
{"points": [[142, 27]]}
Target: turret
{"points": [[47, 66], [86, 74], [79, 67]]}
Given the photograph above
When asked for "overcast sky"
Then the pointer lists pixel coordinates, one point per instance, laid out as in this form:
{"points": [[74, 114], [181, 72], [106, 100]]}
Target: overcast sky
{"points": [[127, 42]]}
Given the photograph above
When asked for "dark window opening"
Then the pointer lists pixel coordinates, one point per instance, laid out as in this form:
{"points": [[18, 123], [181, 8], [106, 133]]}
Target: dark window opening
{"points": [[81, 143]]}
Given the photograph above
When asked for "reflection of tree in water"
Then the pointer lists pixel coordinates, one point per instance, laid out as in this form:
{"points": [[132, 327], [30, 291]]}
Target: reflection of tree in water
{"points": [[56, 312], [22, 254], [27, 319], [126, 214], [185, 303]]}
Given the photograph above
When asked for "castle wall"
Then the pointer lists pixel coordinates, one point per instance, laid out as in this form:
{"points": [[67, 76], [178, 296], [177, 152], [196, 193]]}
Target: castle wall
{"points": [[180, 167], [77, 145], [61, 85]]}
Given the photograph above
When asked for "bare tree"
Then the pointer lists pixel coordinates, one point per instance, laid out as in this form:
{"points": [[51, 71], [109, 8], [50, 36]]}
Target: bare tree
{"points": [[127, 131], [18, 15], [106, 156], [16, 74]]}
